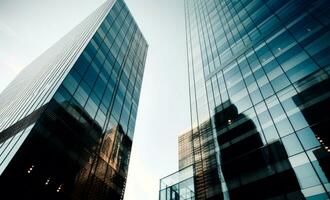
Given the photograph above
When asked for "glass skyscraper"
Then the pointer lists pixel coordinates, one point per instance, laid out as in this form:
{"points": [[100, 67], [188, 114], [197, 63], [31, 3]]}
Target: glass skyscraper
{"points": [[259, 98], [67, 120]]}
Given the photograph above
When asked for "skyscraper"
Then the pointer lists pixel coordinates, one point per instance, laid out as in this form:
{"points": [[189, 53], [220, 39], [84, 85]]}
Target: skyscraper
{"points": [[67, 120], [259, 86]]}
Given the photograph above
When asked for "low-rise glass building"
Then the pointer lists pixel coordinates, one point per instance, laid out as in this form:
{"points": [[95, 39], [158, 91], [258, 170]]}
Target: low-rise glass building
{"points": [[178, 186]]}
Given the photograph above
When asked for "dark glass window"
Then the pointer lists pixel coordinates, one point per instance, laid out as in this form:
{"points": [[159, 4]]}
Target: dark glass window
{"points": [[81, 96], [70, 83], [90, 76], [62, 95], [99, 87], [269, 25], [91, 48], [280, 42], [304, 27], [319, 49], [81, 65]]}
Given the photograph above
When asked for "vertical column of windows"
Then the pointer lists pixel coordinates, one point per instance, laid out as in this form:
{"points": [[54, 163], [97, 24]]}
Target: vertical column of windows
{"points": [[201, 96], [191, 61]]}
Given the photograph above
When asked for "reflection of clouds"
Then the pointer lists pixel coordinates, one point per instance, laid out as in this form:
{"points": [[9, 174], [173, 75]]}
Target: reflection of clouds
{"points": [[144, 184]]}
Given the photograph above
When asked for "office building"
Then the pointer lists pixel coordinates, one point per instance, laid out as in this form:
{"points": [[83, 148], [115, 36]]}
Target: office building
{"points": [[67, 120], [178, 186], [259, 85]]}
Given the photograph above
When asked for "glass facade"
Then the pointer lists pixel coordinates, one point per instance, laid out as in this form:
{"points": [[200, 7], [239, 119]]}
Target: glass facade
{"points": [[198, 148], [259, 86], [249, 167], [77, 145], [178, 186]]}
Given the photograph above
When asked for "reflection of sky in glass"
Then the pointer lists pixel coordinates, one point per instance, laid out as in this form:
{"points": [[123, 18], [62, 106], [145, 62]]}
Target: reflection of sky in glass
{"points": [[180, 183], [177, 177]]}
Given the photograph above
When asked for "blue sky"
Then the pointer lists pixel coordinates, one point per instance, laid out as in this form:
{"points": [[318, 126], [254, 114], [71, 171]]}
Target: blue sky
{"points": [[27, 28]]}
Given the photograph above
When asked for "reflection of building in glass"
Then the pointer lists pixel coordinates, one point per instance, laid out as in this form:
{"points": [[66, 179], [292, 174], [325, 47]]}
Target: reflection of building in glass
{"points": [[178, 186], [67, 121], [271, 60], [250, 168], [112, 167], [313, 99], [197, 148]]}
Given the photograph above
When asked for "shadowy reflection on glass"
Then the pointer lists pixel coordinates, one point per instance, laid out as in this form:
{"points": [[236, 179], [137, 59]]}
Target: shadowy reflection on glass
{"points": [[66, 156], [108, 171], [313, 100], [207, 182], [251, 169]]}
